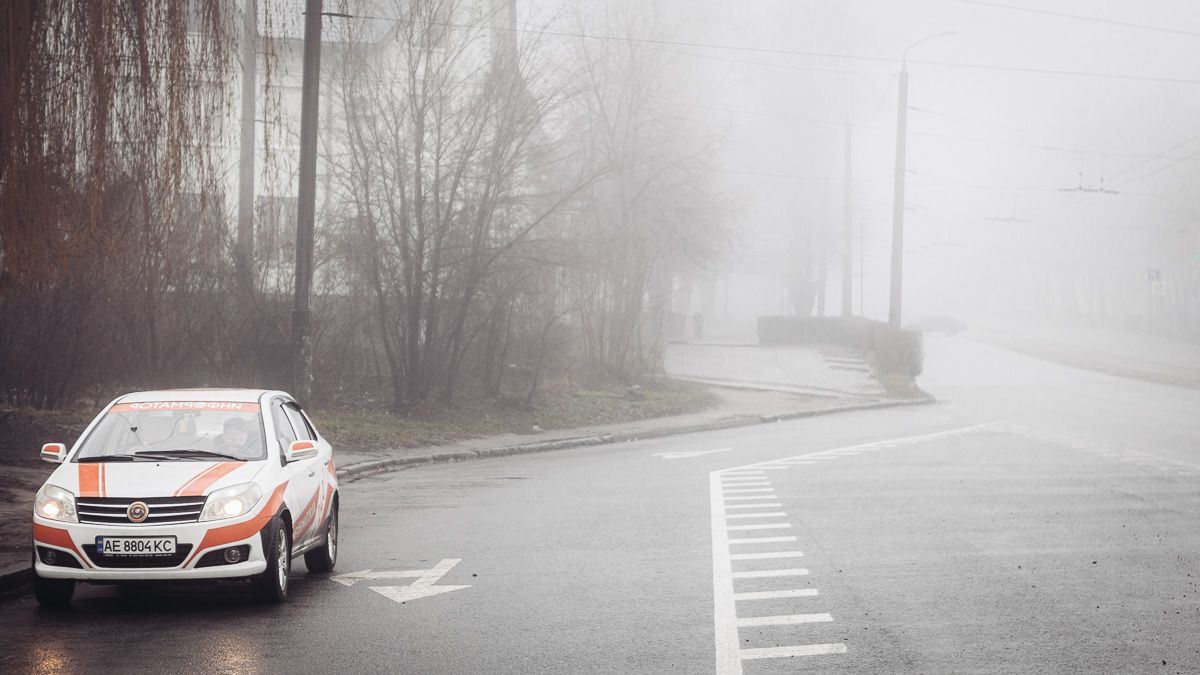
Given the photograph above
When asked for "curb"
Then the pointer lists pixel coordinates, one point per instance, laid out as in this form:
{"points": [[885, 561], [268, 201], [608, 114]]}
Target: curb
{"points": [[353, 472], [22, 576], [15, 578]]}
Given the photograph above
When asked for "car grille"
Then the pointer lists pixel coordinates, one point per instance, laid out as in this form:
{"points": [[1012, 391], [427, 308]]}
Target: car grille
{"points": [[138, 561], [163, 510]]}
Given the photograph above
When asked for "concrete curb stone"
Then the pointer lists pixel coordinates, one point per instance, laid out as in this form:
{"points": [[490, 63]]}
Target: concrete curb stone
{"points": [[358, 470]]}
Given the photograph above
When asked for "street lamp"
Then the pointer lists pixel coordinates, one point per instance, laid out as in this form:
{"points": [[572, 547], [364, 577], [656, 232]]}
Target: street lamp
{"points": [[898, 193]]}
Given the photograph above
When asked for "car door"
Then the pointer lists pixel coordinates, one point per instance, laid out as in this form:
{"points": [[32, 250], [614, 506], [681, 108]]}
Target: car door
{"points": [[303, 491]]}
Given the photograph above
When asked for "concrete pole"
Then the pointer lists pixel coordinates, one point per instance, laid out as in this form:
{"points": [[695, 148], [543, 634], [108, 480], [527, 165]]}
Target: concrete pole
{"points": [[306, 202], [898, 202], [244, 257], [847, 233]]}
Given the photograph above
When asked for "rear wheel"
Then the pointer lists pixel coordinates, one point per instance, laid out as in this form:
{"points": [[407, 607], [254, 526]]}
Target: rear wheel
{"points": [[271, 585], [323, 559]]}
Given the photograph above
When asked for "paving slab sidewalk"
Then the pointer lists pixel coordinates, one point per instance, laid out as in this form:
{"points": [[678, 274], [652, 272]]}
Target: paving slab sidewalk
{"points": [[827, 371], [1126, 354], [737, 407]]}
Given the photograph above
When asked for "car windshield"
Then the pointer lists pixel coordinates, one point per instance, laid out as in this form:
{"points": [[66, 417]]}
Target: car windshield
{"points": [[176, 431]]}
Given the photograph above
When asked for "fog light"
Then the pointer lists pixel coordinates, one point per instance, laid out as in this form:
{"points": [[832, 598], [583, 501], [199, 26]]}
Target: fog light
{"points": [[233, 555], [50, 557]]}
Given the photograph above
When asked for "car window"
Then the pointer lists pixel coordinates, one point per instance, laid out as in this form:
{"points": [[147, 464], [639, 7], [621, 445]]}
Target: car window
{"points": [[283, 428], [303, 432], [181, 430]]}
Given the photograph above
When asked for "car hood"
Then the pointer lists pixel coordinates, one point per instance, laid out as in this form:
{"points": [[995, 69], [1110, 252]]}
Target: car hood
{"points": [[139, 480]]}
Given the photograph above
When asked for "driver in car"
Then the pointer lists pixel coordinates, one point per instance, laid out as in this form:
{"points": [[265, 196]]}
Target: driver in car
{"points": [[238, 438]]}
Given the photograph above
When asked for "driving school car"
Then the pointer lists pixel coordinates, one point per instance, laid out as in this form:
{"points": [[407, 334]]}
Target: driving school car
{"points": [[187, 484]]}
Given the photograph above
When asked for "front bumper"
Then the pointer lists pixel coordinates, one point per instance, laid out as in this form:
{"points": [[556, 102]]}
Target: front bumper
{"points": [[69, 539]]}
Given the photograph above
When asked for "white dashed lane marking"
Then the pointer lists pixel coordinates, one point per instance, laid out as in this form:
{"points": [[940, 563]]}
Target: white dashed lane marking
{"points": [[731, 485], [761, 540], [801, 650], [767, 555], [768, 514], [776, 595], [764, 574], [786, 620]]}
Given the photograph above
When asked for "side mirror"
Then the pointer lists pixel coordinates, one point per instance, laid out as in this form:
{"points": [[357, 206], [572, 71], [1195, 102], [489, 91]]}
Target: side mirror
{"points": [[54, 453], [299, 450]]}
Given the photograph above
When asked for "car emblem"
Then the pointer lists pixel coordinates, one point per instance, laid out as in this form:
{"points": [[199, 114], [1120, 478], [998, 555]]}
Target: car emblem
{"points": [[137, 512]]}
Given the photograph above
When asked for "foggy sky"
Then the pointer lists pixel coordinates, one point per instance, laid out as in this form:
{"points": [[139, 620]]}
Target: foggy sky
{"points": [[779, 120]]}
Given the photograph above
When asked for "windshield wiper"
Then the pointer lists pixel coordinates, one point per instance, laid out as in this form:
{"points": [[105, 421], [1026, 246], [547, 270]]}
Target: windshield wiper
{"points": [[188, 452], [107, 458]]}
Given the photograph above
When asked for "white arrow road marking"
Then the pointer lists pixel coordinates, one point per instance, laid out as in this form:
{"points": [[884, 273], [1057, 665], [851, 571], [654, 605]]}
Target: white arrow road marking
{"points": [[353, 577], [687, 454], [423, 587]]}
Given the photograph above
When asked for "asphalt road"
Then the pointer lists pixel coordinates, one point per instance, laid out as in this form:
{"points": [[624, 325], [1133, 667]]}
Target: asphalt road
{"points": [[1037, 519]]}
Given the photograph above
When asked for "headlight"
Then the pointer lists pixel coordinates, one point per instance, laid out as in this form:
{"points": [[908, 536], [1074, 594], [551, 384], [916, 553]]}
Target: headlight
{"points": [[231, 502], [55, 503]]}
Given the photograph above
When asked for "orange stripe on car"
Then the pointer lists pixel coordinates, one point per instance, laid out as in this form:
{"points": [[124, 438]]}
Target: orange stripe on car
{"points": [[53, 536], [103, 482], [205, 479], [307, 515], [89, 480], [239, 531]]}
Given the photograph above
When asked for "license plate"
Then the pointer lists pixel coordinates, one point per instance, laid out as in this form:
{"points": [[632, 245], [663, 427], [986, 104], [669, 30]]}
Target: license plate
{"points": [[119, 546]]}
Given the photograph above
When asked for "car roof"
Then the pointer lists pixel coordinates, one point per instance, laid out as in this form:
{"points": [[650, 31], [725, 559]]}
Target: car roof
{"points": [[233, 395]]}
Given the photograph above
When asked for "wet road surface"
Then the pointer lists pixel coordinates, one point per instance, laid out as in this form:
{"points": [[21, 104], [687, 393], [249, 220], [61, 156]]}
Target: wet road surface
{"points": [[1037, 519]]}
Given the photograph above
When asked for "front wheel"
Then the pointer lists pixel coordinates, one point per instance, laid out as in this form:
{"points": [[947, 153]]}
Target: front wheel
{"points": [[271, 585], [53, 592], [323, 559]]}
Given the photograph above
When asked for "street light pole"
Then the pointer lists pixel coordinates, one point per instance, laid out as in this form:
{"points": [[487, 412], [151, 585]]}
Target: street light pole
{"points": [[847, 232], [898, 201], [894, 315], [306, 202]]}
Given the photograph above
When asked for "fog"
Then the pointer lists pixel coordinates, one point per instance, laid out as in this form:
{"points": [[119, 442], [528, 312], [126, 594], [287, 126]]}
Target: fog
{"points": [[1007, 115]]}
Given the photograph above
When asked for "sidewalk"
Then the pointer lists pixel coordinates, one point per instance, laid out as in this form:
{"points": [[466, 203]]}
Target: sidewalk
{"points": [[1126, 354], [738, 407], [825, 371]]}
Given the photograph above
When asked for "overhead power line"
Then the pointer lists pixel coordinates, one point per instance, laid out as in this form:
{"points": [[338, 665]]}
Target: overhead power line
{"points": [[1080, 17], [810, 53]]}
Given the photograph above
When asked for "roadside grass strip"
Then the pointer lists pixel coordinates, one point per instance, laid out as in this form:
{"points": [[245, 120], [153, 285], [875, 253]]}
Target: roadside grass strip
{"points": [[729, 485]]}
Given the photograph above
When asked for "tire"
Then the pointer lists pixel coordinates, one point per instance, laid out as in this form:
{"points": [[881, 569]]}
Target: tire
{"points": [[53, 592], [271, 586], [321, 560]]}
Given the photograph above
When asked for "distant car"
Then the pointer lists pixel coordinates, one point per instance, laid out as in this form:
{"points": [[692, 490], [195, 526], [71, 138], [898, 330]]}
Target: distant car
{"points": [[939, 324], [187, 484]]}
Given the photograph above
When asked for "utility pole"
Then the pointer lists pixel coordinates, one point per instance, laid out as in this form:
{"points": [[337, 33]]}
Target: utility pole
{"points": [[847, 235], [306, 202], [862, 266], [898, 201], [244, 259]]}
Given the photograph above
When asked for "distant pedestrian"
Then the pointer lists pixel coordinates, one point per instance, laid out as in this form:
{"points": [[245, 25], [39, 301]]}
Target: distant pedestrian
{"points": [[698, 325]]}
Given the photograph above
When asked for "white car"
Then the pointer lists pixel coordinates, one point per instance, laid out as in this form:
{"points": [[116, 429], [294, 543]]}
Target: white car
{"points": [[187, 484]]}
